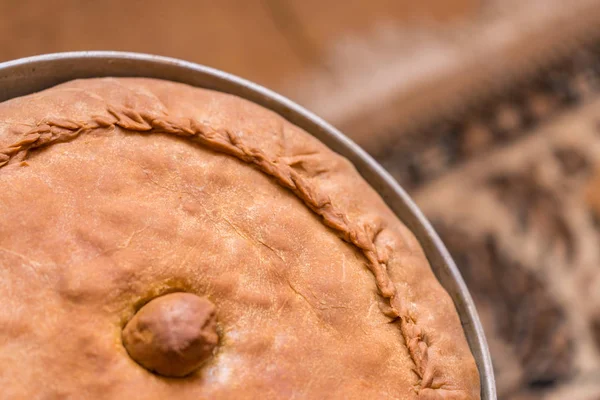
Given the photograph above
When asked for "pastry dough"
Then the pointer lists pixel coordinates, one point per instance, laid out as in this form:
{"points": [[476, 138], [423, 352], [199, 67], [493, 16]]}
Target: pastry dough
{"points": [[116, 191]]}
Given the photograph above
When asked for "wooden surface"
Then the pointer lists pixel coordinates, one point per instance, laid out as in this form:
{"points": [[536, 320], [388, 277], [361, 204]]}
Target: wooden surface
{"points": [[272, 42]]}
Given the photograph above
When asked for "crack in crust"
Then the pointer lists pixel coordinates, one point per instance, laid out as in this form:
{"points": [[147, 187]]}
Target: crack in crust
{"points": [[362, 236]]}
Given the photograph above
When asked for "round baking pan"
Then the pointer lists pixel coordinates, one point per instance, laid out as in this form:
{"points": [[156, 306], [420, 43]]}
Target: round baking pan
{"points": [[29, 75]]}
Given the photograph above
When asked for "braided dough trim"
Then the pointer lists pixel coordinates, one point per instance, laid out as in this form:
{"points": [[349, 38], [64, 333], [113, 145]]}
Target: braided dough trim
{"points": [[361, 235]]}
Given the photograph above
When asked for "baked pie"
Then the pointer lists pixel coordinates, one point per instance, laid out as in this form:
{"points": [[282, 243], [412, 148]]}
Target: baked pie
{"points": [[163, 241]]}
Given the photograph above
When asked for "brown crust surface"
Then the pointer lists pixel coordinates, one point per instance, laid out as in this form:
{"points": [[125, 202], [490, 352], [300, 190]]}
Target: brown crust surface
{"points": [[438, 363]]}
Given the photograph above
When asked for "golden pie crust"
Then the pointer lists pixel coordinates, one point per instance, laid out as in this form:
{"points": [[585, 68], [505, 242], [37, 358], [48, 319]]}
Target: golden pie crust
{"points": [[115, 191]]}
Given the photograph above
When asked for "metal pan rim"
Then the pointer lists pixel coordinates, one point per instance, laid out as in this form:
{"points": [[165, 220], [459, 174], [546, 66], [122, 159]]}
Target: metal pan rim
{"points": [[28, 75]]}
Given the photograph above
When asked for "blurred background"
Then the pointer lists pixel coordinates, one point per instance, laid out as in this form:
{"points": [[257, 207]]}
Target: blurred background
{"points": [[486, 111]]}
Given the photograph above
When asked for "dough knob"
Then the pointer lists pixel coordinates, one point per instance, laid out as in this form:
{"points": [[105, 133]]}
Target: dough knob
{"points": [[173, 334]]}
